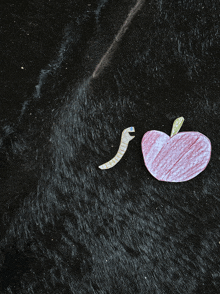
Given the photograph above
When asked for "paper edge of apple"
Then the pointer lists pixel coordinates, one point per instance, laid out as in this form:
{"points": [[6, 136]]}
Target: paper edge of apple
{"points": [[171, 138]]}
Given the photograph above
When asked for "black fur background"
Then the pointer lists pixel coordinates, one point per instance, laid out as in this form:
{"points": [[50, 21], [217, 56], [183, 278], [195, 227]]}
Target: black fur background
{"points": [[66, 226]]}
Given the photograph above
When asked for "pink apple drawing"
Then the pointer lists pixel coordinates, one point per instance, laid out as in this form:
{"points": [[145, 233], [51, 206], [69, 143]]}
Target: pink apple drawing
{"points": [[177, 158]]}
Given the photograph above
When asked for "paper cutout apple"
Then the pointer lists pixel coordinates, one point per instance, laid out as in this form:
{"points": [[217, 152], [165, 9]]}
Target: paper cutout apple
{"points": [[177, 158]]}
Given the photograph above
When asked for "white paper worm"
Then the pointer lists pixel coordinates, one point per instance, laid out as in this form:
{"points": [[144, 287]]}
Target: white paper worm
{"points": [[125, 139]]}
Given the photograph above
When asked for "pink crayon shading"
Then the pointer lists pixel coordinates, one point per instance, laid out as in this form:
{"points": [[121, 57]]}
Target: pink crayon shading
{"points": [[178, 158]]}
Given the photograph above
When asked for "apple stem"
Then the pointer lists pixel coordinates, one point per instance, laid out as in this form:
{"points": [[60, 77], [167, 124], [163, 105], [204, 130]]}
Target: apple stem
{"points": [[177, 125]]}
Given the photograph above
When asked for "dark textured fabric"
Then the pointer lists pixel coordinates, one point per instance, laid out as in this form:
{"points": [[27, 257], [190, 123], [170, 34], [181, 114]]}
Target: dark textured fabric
{"points": [[67, 226]]}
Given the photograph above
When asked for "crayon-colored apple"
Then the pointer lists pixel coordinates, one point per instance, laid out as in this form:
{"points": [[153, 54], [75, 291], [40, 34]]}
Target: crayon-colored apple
{"points": [[177, 158]]}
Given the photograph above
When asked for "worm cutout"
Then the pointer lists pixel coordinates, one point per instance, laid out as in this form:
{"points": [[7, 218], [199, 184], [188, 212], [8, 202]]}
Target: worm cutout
{"points": [[125, 139]]}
